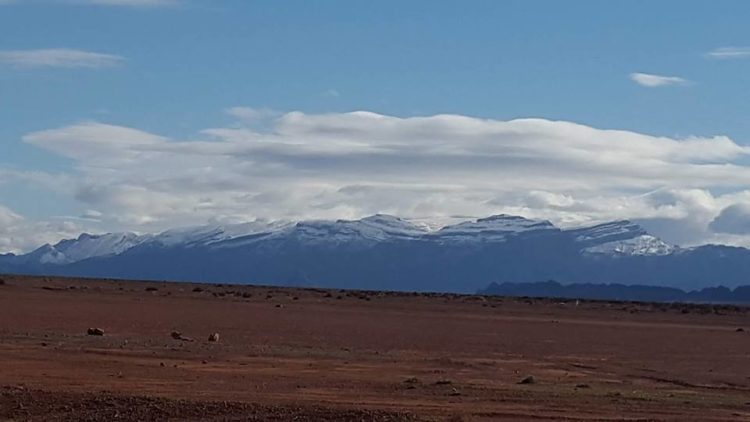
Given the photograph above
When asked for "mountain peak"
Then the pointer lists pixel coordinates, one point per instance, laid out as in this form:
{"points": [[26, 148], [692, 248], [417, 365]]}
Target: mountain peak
{"points": [[389, 222], [495, 228], [376, 227], [215, 233], [382, 218], [503, 217], [622, 237]]}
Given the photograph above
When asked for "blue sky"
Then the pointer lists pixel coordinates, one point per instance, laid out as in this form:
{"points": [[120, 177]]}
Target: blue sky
{"points": [[176, 68]]}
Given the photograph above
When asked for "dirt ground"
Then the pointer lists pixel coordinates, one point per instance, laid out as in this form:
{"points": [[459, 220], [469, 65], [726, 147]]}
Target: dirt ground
{"points": [[309, 354]]}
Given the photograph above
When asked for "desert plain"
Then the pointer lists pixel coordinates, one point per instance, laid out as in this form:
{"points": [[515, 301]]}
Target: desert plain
{"points": [[317, 354]]}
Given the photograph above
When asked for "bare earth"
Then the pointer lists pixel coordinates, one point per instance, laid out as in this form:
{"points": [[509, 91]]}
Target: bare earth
{"points": [[306, 354]]}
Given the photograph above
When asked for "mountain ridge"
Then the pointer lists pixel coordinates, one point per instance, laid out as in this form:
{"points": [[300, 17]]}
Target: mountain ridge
{"points": [[634, 293], [376, 227], [391, 253]]}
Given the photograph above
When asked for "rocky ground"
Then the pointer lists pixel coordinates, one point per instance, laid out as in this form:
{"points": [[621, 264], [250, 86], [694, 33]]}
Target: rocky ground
{"points": [[74, 349]]}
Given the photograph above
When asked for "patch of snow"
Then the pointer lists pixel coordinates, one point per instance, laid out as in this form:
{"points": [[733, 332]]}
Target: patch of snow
{"points": [[620, 238], [208, 235], [640, 245], [379, 227], [84, 247], [616, 229], [495, 228]]}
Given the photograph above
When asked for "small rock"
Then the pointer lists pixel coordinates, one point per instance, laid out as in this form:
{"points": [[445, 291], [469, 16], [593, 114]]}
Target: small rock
{"points": [[204, 361], [740, 330], [279, 305], [162, 364], [528, 380], [214, 337], [151, 289], [178, 336], [95, 332], [583, 386], [454, 392], [197, 289]]}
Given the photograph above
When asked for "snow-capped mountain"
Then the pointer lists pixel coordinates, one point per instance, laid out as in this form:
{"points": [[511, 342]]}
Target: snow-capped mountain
{"points": [[387, 252], [213, 234], [497, 228], [84, 247], [376, 228], [620, 238], [606, 238]]}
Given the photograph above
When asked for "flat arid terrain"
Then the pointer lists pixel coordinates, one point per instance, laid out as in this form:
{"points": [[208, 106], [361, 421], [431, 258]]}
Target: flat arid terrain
{"points": [[309, 354]]}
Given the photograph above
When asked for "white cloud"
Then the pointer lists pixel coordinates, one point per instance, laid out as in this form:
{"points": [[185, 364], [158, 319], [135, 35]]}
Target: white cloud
{"points": [[250, 114], [95, 141], [59, 57], [55, 182], [18, 234], [92, 215], [730, 53], [652, 81], [346, 165], [734, 219]]}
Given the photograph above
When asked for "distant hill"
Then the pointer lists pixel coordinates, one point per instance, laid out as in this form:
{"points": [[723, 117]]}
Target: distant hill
{"points": [[383, 252], [636, 293]]}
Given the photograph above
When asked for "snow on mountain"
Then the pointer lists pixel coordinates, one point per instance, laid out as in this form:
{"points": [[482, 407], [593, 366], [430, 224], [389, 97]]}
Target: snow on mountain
{"points": [[496, 228], [91, 246], [376, 228], [615, 238], [213, 234], [383, 252], [86, 246], [614, 230], [620, 238], [640, 245]]}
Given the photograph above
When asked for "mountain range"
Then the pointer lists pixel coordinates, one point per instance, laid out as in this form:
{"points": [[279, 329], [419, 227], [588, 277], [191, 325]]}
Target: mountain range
{"points": [[383, 252], [633, 293]]}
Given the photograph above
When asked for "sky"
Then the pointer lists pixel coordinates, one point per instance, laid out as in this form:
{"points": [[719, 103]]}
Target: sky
{"points": [[143, 115]]}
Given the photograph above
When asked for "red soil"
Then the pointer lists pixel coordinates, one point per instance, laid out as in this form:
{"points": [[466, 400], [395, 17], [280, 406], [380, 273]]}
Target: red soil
{"points": [[304, 354]]}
